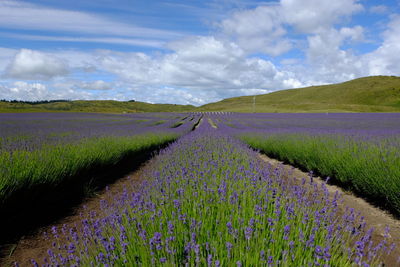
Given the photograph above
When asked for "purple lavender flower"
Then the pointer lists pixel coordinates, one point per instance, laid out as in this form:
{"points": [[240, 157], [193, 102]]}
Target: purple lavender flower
{"points": [[71, 248], [209, 260], [34, 263], [262, 255], [229, 247], [248, 232], [170, 227], [156, 241]]}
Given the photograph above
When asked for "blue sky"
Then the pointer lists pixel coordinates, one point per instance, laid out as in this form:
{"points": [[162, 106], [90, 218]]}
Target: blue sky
{"points": [[190, 52]]}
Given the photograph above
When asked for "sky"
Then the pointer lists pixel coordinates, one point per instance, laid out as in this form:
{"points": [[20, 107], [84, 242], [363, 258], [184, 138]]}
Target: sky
{"points": [[190, 52]]}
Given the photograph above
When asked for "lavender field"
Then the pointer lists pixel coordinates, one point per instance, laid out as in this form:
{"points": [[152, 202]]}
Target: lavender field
{"points": [[48, 148], [209, 200], [30, 131], [47, 159], [358, 151]]}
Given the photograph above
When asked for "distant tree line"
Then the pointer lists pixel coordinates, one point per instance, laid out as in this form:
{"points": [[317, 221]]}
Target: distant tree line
{"points": [[34, 102]]}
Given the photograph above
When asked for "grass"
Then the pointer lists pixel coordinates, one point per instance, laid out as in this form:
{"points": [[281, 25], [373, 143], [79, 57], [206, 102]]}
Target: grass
{"points": [[371, 169], [369, 94], [51, 166]]}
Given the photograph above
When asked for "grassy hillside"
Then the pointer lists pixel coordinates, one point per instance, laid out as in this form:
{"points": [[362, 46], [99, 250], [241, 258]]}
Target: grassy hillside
{"points": [[369, 94], [107, 106]]}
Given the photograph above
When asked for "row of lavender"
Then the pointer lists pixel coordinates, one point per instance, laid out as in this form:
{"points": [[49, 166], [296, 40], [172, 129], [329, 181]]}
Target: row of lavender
{"points": [[210, 201], [30, 131], [49, 148], [358, 151]]}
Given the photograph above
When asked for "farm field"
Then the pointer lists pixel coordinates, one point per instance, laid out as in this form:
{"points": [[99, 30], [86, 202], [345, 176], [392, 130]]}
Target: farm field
{"points": [[210, 200]]}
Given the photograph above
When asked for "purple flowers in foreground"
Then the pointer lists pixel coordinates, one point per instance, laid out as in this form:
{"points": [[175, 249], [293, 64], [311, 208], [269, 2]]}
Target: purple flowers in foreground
{"points": [[209, 201]]}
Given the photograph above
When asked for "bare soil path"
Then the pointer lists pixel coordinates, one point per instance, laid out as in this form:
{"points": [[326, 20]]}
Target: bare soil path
{"points": [[374, 217]]}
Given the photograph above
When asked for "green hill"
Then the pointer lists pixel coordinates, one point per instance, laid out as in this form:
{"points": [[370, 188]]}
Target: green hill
{"points": [[104, 106], [369, 94]]}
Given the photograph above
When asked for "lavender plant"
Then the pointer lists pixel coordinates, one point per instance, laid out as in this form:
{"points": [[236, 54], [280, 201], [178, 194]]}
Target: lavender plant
{"points": [[48, 149], [211, 202], [359, 151], [367, 168], [31, 131]]}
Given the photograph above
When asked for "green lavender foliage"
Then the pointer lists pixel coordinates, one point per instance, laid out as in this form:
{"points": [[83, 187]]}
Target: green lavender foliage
{"points": [[53, 164]]}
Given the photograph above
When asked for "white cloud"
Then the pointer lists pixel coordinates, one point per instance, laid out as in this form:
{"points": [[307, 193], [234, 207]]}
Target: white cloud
{"points": [[24, 91], [355, 34], [21, 90], [95, 85], [311, 16], [266, 29], [385, 59], [258, 30], [176, 95], [203, 63], [329, 63], [26, 16], [5, 56], [106, 40], [379, 9], [35, 65]]}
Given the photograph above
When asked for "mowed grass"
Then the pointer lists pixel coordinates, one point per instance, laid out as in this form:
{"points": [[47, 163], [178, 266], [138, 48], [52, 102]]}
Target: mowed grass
{"points": [[369, 94], [55, 164], [371, 169]]}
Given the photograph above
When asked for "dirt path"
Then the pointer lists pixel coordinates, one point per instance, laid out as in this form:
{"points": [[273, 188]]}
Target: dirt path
{"points": [[374, 217], [36, 245]]}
